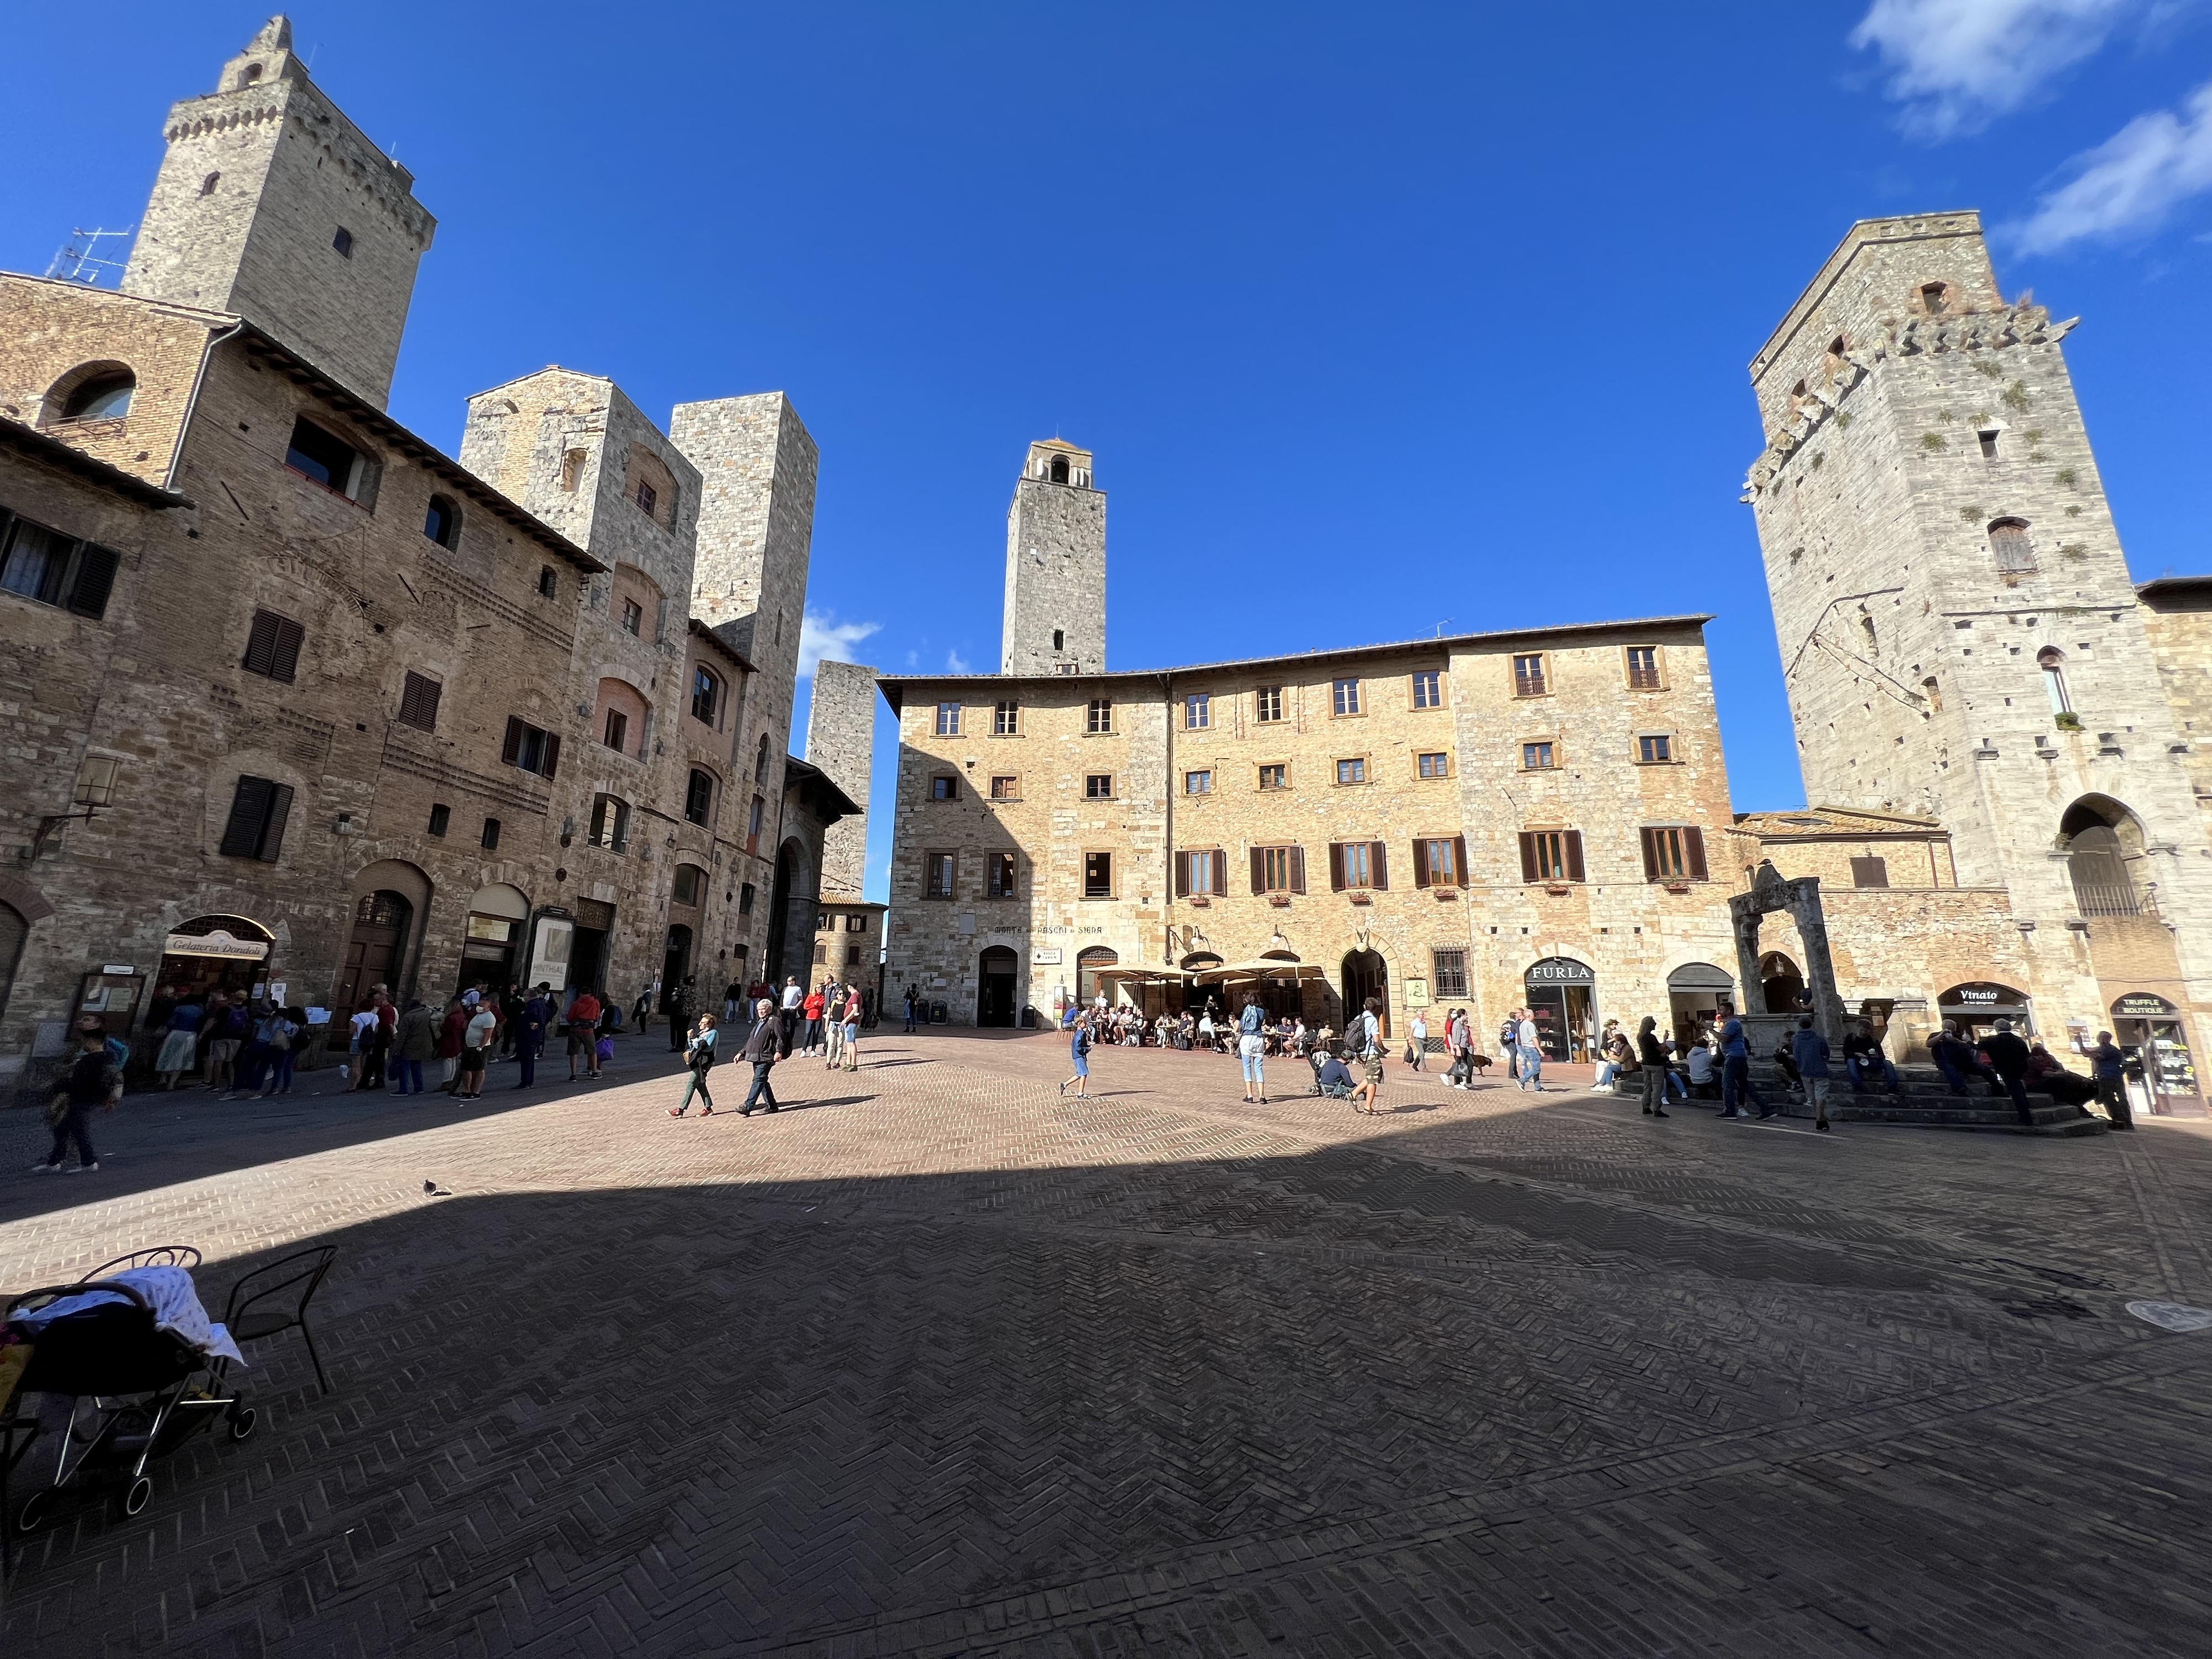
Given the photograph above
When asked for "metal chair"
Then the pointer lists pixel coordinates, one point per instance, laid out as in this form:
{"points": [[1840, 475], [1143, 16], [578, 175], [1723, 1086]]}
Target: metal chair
{"points": [[303, 1272], [159, 1255]]}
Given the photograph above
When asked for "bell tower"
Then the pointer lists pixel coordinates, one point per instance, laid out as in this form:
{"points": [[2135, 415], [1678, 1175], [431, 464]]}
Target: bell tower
{"points": [[272, 204], [1055, 614]]}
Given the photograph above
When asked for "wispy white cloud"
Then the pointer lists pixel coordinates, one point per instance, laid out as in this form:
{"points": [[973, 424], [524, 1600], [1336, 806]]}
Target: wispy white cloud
{"points": [[2129, 183], [956, 663], [1957, 64], [822, 636]]}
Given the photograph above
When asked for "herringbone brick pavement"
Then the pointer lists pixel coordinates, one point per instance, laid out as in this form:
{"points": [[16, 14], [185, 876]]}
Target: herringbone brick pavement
{"points": [[936, 1362]]}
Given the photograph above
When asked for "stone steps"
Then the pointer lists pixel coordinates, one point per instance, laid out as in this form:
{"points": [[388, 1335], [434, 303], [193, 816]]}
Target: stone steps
{"points": [[1927, 1103]]}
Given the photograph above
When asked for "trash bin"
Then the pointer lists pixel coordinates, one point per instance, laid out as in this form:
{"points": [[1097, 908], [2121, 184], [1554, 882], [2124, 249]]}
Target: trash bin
{"points": [[1029, 1019], [937, 1013]]}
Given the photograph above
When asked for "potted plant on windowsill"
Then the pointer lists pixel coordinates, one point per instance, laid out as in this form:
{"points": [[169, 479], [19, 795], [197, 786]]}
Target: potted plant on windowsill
{"points": [[2068, 721]]}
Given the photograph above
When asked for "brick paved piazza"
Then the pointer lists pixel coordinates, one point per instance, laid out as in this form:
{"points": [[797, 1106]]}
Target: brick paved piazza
{"points": [[942, 1363]]}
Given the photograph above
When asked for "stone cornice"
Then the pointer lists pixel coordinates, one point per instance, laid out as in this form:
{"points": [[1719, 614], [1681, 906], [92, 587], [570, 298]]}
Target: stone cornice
{"points": [[2010, 326]]}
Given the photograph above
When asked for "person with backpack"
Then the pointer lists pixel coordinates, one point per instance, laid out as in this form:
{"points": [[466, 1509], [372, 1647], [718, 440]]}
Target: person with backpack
{"points": [[1079, 1051], [699, 1059], [855, 1010], [227, 1025], [1508, 1043], [583, 1033], [275, 1038], [1252, 1047], [1364, 1037], [1810, 1050], [93, 1079]]}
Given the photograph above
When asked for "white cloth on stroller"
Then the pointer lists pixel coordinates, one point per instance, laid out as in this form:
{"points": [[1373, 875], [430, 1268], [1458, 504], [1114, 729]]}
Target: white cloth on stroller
{"points": [[177, 1309]]}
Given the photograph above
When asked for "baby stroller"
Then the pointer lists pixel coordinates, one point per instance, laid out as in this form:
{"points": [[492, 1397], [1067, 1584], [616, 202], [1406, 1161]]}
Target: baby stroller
{"points": [[149, 1387]]}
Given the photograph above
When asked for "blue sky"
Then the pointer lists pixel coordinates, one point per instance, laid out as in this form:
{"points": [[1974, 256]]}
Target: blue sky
{"points": [[1378, 317]]}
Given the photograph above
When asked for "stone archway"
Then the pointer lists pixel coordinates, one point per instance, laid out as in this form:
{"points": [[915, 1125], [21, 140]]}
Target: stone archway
{"points": [[1364, 975], [792, 907], [1800, 897]]}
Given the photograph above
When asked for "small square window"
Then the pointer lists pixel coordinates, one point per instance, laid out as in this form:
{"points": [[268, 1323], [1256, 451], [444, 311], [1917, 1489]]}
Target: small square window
{"points": [[1429, 689], [1197, 712], [1099, 875], [617, 730], [344, 243], [944, 788], [999, 867], [1344, 696], [442, 817], [1275, 776], [648, 498], [1450, 973], [746, 898], [491, 834], [1537, 757], [1529, 677], [1098, 786], [1655, 749], [1101, 716], [939, 872], [1198, 783], [633, 616], [1269, 707], [549, 582], [1005, 787], [1007, 719], [1436, 766], [948, 719], [1352, 771], [1643, 668]]}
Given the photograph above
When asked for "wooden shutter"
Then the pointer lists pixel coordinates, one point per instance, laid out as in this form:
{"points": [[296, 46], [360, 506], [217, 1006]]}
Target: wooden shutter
{"points": [[1459, 859], [1378, 864], [1259, 869], [249, 811], [272, 831], [1336, 867], [1298, 869], [1573, 839], [285, 659], [1182, 875], [1220, 873], [1528, 855], [1420, 862], [1650, 853], [95, 579], [510, 751], [1693, 842], [552, 753], [418, 702], [261, 644]]}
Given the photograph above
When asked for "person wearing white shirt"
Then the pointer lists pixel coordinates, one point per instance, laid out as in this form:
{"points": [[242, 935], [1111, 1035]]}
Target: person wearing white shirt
{"points": [[1531, 1052]]}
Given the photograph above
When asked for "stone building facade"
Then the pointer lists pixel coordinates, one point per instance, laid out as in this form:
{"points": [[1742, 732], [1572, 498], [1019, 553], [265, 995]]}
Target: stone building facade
{"points": [[1959, 634], [841, 740], [1055, 609], [306, 702], [1480, 821]]}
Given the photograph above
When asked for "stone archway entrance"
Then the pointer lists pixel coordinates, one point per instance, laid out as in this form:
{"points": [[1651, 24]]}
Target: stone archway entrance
{"points": [[1363, 975], [996, 971], [382, 921], [1801, 897], [790, 872]]}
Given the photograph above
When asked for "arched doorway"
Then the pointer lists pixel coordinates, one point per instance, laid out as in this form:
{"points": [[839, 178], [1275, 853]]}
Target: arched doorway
{"points": [[2151, 1029], [1780, 984], [215, 953], [791, 916], [1562, 996], [1087, 964], [995, 974], [381, 923], [492, 938], [1695, 994], [1978, 1006], [2103, 844], [675, 963], [1362, 977]]}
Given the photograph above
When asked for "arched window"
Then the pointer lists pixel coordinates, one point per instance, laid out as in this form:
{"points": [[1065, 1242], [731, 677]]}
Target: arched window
{"points": [[2052, 662], [1060, 469], [699, 798], [622, 719], [611, 822], [208, 183], [2102, 840], [651, 487], [760, 765], [1797, 395], [1934, 695], [2008, 541], [1935, 298], [442, 523], [96, 391], [1834, 359], [706, 694]]}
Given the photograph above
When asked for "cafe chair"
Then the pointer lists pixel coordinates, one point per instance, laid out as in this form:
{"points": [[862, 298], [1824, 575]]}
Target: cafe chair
{"points": [[274, 1298]]}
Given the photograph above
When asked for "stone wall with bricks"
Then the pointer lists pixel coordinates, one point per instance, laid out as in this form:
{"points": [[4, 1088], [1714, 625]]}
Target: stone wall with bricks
{"points": [[1936, 539], [841, 740], [1054, 620], [271, 203], [847, 942], [2177, 622], [1228, 762]]}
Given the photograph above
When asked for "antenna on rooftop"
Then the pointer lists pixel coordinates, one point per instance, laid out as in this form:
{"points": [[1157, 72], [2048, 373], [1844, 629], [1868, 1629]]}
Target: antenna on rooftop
{"points": [[79, 260]]}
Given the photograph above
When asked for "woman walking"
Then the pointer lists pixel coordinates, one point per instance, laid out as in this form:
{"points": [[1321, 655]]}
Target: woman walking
{"points": [[1252, 1047], [1079, 1049], [182, 1041], [699, 1056], [856, 1008]]}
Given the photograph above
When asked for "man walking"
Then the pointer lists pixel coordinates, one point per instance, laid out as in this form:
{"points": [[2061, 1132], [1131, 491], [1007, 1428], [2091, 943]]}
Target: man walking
{"points": [[2009, 1057], [787, 1016], [2110, 1068], [1365, 1038], [1529, 1050], [584, 1034], [1737, 1085], [530, 1029], [909, 1007], [1810, 1050], [94, 1080], [762, 1049]]}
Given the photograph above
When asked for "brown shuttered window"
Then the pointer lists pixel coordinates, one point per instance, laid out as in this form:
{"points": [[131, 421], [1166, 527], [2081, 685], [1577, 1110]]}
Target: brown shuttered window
{"points": [[259, 809], [1694, 840], [94, 581], [1379, 859], [1336, 867], [418, 702], [532, 750], [1259, 869], [1298, 869], [1574, 838], [1529, 854], [272, 648], [1674, 854], [1182, 875]]}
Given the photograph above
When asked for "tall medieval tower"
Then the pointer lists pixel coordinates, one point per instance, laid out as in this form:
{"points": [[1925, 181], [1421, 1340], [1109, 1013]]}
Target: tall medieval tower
{"points": [[841, 740], [1056, 614], [1958, 631], [272, 204]]}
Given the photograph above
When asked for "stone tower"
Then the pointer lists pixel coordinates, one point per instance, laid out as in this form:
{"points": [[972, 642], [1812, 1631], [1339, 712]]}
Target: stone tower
{"points": [[841, 740], [271, 203], [1055, 616], [1959, 630]]}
